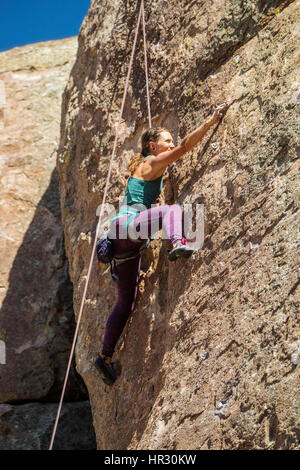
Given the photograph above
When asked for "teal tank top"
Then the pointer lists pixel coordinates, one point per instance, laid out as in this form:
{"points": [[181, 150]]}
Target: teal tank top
{"points": [[138, 192], [142, 192]]}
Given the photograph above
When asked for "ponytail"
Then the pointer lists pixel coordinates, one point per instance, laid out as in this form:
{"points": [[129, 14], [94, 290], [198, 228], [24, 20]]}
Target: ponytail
{"points": [[134, 162]]}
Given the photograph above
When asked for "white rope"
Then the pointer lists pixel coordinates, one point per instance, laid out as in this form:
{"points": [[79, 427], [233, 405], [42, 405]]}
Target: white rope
{"points": [[146, 65], [102, 208]]}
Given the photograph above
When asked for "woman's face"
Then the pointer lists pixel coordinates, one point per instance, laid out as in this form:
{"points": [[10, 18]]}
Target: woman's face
{"points": [[164, 143]]}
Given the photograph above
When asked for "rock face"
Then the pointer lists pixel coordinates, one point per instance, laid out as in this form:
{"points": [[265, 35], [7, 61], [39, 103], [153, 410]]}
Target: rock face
{"points": [[210, 358], [36, 318]]}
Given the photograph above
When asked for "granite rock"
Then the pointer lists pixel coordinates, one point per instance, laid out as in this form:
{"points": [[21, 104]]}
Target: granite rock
{"points": [[210, 357], [37, 318]]}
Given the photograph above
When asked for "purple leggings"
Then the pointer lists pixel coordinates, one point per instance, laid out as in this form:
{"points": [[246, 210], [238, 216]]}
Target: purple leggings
{"points": [[167, 218]]}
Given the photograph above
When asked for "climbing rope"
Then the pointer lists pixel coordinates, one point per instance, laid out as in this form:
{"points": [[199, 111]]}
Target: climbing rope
{"points": [[141, 14], [146, 65]]}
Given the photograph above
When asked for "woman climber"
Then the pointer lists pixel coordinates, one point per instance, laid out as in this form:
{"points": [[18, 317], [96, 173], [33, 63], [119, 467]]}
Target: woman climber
{"points": [[143, 188]]}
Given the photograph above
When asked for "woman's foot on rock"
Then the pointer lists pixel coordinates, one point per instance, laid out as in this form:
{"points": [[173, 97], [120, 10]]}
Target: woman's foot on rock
{"points": [[106, 369], [180, 250]]}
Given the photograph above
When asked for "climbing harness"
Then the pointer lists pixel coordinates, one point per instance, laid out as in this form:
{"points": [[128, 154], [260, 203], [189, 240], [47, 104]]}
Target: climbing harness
{"points": [[141, 16], [105, 254]]}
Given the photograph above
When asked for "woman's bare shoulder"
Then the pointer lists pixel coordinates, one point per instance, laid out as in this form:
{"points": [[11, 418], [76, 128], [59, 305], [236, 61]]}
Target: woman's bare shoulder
{"points": [[147, 171]]}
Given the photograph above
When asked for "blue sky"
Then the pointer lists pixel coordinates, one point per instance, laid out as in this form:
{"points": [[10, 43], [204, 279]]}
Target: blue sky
{"points": [[27, 21]]}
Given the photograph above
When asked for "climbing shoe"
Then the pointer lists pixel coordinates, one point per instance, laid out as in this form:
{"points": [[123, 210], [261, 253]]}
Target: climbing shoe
{"points": [[181, 250], [107, 371]]}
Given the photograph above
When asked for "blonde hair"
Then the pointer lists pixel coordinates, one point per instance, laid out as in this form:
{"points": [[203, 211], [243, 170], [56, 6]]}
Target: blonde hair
{"points": [[151, 135]]}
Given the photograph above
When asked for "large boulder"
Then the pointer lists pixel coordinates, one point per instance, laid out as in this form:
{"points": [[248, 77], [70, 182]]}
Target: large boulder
{"points": [[210, 357], [36, 318]]}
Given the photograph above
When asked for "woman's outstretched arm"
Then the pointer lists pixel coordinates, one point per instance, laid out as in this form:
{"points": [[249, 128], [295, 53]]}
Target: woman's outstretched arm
{"points": [[190, 140]]}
